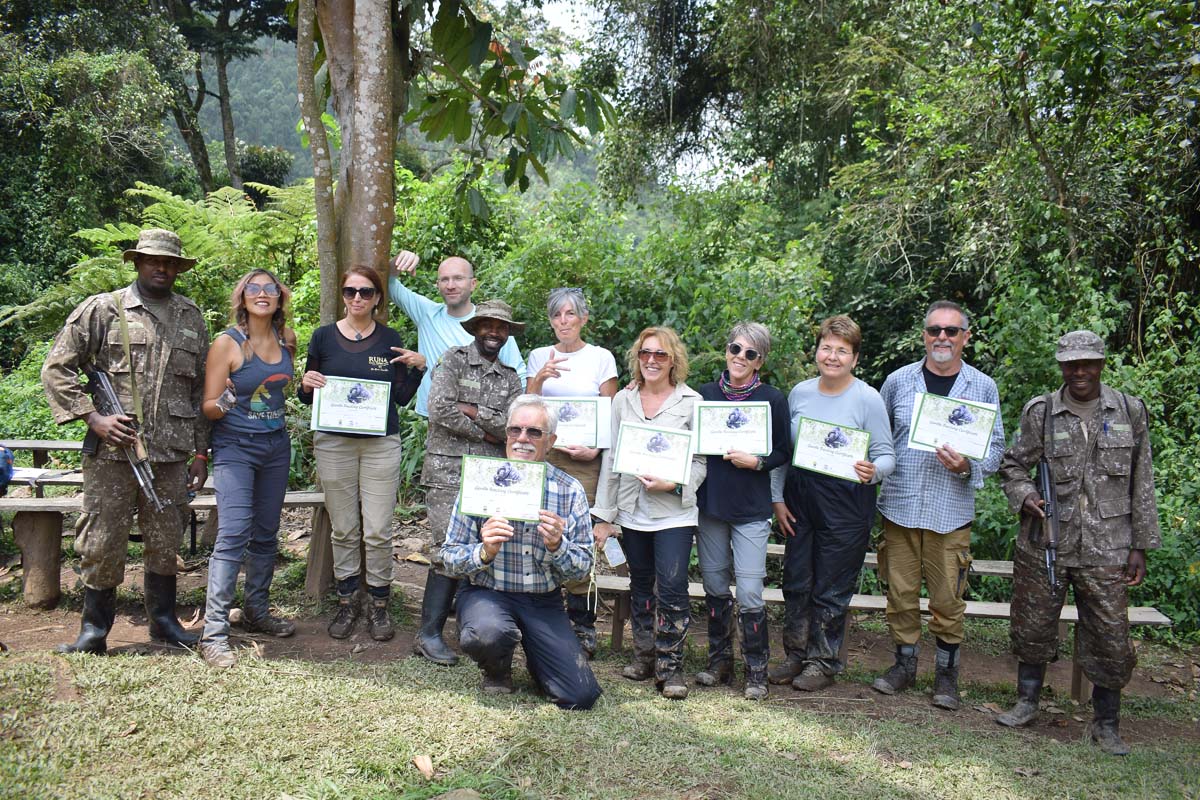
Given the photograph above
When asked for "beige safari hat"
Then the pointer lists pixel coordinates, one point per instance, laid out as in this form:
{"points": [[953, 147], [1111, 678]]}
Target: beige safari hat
{"points": [[160, 242], [494, 309]]}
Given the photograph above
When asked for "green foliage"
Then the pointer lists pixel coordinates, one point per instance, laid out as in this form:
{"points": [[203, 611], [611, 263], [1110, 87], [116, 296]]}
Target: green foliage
{"points": [[23, 403]]}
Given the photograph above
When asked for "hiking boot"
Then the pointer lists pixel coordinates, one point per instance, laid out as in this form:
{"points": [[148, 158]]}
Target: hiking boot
{"points": [[379, 622], [217, 653], [812, 679], [945, 678], [674, 687], [264, 622], [719, 673], [583, 621], [720, 642], [497, 677], [756, 650], [639, 669], [900, 675], [160, 608], [343, 621], [1029, 690], [785, 672], [99, 611], [1106, 718], [435, 610]]}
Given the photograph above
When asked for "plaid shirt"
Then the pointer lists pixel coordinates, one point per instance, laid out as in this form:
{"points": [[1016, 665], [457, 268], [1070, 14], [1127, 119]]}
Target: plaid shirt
{"points": [[523, 563], [920, 492]]}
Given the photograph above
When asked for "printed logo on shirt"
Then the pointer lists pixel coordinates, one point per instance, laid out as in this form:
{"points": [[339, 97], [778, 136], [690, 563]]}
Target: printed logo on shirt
{"points": [[260, 401], [379, 363]]}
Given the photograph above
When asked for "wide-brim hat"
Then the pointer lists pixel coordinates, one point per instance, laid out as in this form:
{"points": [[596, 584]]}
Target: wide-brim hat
{"points": [[160, 242], [1080, 346], [494, 309]]}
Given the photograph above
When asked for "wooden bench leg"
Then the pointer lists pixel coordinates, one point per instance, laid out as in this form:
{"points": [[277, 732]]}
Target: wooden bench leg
{"points": [[1081, 687], [208, 537], [38, 534], [845, 640], [621, 612], [319, 577]]}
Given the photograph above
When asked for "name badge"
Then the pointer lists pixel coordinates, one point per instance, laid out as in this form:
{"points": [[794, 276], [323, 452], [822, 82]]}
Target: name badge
{"points": [[189, 334], [470, 383], [1059, 435], [1121, 426]]}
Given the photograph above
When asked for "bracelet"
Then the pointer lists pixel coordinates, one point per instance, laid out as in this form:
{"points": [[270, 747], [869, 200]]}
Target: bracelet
{"points": [[678, 490], [201, 457]]}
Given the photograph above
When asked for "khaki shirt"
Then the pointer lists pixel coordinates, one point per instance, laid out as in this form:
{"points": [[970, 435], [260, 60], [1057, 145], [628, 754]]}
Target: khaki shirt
{"points": [[620, 492], [167, 361], [464, 376], [1105, 482]]}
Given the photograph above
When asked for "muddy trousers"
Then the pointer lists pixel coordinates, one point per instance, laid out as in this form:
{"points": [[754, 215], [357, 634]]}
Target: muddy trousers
{"points": [[822, 563], [658, 593], [1105, 652], [492, 623], [943, 560]]}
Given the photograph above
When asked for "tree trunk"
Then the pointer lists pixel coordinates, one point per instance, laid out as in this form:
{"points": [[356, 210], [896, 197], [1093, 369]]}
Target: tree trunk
{"points": [[187, 112], [318, 143], [231, 154]]}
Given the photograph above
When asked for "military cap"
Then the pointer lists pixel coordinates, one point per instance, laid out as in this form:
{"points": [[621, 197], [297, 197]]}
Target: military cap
{"points": [[1080, 346]]}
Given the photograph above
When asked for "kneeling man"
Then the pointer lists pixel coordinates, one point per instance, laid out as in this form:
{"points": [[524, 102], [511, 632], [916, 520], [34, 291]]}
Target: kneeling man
{"points": [[514, 571]]}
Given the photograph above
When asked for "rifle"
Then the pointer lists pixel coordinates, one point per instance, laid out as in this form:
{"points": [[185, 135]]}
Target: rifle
{"points": [[107, 403], [1049, 494]]}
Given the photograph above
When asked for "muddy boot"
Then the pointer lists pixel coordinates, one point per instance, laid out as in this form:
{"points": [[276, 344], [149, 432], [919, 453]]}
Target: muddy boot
{"points": [[669, 641], [720, 642], [1029, 690], [217, 653], [160, 608], [583, 621], [674, 686], [497, 676], [756, 651], [812, 679], [379, 622], [945, 678], [256, 610], [342, 624], [641, 623], [1106, 718], [435, 609], [900, 675], [795, 644], [99, 611]]}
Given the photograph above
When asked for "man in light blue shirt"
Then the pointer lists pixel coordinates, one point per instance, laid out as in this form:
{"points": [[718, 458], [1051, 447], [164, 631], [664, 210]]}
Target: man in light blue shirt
{"points": [[928, 506], [439, 325]]}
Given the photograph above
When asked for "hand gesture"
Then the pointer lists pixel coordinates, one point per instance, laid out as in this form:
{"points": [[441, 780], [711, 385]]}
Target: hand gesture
{"points": [[405, 261], [409, 358]]}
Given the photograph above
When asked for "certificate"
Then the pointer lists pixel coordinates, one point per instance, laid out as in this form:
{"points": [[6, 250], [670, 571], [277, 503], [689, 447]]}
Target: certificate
{"points": [[497, 487], [965, 425], [723, 426], [350, 405], [583, 421], [664, 453], [830, 449]]}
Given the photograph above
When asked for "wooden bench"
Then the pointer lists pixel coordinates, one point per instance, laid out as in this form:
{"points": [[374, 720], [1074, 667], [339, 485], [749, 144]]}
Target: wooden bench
{"points": [[38, 530], [1080, 687], [41, 449]]}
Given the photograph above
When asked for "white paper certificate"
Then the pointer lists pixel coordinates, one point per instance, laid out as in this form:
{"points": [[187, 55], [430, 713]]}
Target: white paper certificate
{"points": [[497, 487], [664, 453], [965, 425], [350, 405], [830, 449], [724, 426], [583, 421]]}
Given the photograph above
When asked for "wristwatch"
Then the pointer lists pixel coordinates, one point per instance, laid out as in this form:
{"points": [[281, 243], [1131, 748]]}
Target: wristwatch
{"points": [[761, 465]]}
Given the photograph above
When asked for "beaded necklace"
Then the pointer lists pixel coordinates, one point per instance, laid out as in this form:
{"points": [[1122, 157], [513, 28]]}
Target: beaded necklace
{"points": [[737, 393]]}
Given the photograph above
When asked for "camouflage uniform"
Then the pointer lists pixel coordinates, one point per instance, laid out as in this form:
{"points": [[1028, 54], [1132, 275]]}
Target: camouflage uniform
{"points": [[1106, 507], [168, 357], [462, 376]]}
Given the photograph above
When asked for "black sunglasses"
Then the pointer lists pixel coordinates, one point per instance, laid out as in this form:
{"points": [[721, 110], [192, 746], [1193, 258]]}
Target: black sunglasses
{"points": [[950, 330], [255, 289], [736, 349], [365, 292], [515, 431]]}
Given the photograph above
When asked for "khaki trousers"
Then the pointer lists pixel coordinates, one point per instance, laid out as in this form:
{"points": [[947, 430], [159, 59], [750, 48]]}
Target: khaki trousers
{"points": [[908, 555], [588, 475]]}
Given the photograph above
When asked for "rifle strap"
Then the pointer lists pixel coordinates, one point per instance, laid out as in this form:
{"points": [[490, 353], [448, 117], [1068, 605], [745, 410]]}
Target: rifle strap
{"points": [[119, 301]]}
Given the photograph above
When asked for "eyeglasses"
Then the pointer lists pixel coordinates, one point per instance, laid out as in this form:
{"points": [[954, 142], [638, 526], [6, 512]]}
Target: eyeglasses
{"points": [[950, 330], [736, 349], [825, 351], [365, 292], [515, 431], [255, 289], [653, 355]]}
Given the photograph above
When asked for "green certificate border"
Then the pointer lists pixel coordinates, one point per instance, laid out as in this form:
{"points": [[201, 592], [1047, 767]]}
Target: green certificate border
{"points": [[765, 449], [316, 412], [982, 407], [541, 465], [592, 401], [866, 456], [691, 437]]}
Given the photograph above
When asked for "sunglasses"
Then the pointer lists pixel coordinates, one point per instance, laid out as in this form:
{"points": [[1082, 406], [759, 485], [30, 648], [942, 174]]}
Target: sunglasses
{"points": [[653, 355], [365, 292], [950, 330], [736, 349], [515, 431], [255, 289]]}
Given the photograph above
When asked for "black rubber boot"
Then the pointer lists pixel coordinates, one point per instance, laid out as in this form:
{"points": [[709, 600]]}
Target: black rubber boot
{"points": [[900, 675], [583, 621], [756, 650], [641, 625], [497, 676], [160, 608], [1029, 690], [720, 642], [945, 677], [435, 609], [99, 611], [1106, 719]]}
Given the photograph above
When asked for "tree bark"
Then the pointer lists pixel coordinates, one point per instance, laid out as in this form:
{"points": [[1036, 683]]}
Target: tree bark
{"points": [[227, 131], [186, 111]]}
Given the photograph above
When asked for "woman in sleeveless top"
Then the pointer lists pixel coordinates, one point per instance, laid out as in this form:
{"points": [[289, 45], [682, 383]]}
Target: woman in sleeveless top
{"points": [[249, 369]]}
